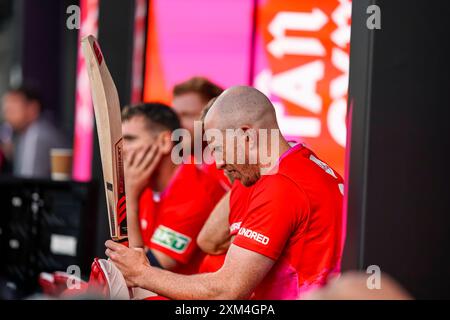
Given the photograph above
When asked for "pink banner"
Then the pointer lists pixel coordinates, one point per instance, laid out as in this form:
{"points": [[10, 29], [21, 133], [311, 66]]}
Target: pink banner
{"points": [[84, 113], [140, 19], [197, 37]]}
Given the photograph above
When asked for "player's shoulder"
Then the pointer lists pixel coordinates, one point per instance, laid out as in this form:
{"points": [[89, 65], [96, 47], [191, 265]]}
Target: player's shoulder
{"points": [[284, 174], [279, 197], [302, 164], [277, 186]]}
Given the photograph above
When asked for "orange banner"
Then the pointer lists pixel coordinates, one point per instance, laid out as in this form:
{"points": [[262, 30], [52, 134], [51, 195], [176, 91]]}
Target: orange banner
{"points": [[303, 67]]}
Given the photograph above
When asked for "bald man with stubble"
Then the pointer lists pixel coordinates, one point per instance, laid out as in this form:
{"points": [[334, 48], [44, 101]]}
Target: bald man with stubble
{"points": [[289, 237]]}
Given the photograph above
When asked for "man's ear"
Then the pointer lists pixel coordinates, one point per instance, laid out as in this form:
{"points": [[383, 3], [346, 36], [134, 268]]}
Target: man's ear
{"points": [[165, 142]]}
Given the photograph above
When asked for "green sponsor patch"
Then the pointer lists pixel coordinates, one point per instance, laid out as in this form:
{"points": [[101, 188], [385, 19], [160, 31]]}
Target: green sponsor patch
{"points": [[170, 239]]}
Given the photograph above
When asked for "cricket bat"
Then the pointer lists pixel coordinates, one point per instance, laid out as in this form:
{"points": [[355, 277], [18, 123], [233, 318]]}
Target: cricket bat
{"points": [[109, 129]]}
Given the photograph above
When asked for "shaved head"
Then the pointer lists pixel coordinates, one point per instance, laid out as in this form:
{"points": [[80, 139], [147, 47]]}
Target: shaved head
{"points": [[242, 132], [241, 106]]}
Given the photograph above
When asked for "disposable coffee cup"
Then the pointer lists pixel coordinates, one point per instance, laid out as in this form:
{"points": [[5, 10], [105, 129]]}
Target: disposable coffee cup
{"points": [[61, 160]]}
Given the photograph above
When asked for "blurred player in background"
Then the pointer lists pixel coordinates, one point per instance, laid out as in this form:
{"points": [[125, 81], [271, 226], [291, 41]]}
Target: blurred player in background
{"points": [[189, 99], [167, 203]]}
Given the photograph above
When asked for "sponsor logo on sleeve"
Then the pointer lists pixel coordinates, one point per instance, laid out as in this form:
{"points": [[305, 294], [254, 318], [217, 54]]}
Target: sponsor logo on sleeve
{"points": [[235, 227], [258, 237], [170, 239]]}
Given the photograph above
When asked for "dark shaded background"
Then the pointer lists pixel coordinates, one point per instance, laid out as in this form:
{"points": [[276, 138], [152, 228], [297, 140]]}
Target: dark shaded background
{"points": [[399, 207]]}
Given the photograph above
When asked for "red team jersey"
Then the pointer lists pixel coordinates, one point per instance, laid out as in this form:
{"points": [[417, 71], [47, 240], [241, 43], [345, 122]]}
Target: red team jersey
{"points": [[170, 221], [293, 217]]}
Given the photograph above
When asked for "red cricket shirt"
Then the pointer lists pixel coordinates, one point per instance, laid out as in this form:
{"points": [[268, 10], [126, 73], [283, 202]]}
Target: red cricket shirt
{"points": [[294, 217], [171, 220]]}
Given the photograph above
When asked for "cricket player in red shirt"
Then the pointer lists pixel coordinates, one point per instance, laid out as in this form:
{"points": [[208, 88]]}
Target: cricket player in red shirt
{"points": [[190, 99], [289, 239], [167, 203]]}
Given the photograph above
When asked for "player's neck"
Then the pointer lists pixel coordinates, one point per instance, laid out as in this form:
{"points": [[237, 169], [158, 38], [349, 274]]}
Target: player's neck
{"points": [[164, 173]]}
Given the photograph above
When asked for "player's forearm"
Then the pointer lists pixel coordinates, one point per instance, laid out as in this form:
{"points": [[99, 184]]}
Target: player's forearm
{"points": [[134, 230], [187, 287], [214, 240], [214, 247]]}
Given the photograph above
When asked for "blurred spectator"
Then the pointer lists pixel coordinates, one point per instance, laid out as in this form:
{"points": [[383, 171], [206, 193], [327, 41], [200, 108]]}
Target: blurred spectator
{"points": [[190, 97], [353, 286], [32, 136]]}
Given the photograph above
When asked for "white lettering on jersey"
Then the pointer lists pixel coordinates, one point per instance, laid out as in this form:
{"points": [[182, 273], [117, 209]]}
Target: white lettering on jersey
{"points": [[341, 188], [258, 237], [323, 165], [235, 226]]}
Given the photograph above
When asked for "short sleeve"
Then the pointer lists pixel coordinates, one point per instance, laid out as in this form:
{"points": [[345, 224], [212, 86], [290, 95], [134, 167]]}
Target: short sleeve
{"points": [[277, 207]]}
